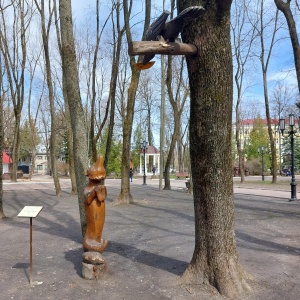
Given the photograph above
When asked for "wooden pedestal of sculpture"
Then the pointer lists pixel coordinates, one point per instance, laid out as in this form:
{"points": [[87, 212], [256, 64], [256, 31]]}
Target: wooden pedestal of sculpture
{"points": [[93, 244]]}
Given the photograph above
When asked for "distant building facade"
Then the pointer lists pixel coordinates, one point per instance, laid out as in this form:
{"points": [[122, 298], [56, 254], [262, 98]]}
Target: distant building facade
{"points": [[41, 160], [247, 126]]}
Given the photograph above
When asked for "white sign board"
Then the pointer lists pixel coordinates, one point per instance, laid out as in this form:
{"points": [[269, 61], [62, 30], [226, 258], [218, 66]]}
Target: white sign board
{"points": [[30, 211]]}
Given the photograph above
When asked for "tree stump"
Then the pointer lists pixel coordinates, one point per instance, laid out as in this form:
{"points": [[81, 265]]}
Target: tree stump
{"points": [[93, 265]]}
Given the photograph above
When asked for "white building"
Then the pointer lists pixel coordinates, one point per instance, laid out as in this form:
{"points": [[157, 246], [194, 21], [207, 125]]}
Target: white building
{"points": [[150, 151], [41, 160]]}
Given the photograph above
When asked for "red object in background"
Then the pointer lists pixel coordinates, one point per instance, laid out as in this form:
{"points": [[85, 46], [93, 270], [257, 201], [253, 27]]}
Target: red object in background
{"points": [[6, 159]]}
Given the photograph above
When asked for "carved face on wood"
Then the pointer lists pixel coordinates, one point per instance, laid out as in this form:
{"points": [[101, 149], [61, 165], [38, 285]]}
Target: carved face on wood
{"points": [[96, 171]]}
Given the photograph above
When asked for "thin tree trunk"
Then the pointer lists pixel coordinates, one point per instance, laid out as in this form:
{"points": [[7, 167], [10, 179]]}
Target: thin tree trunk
{"points": [[125, 197], [264, 66], [15, 62], [45, 37], [113, 81], [70, 142], [177, 107]]}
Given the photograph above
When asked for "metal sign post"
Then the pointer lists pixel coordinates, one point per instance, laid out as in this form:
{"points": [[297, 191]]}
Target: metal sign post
{"points": [[30, 212]]}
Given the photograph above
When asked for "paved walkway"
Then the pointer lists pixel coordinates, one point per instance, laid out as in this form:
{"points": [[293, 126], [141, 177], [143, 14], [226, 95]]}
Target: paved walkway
{"points": [[151, 243], [46, 182]]}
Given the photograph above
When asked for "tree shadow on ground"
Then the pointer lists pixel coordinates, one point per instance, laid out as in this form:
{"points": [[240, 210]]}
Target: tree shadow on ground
{"points": [[154, 260], [75, 257], [267, 245]]}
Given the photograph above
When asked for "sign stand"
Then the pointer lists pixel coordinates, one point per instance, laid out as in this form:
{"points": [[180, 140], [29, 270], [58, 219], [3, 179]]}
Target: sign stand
{"points": [[30, 212]]}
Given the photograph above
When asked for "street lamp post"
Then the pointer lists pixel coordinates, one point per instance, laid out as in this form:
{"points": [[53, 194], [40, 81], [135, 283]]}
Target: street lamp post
{"points": [[261, 152], [277, 130], [144, 147], [291, 134]]}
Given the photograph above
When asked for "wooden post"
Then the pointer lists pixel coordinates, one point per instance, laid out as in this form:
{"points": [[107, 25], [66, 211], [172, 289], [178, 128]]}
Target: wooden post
{"points": [[161, 47], [30, 252], [30, 212]]}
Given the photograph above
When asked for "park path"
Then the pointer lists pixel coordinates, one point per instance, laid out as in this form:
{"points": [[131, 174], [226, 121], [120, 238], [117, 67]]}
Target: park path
{"points": [[40, 182]]}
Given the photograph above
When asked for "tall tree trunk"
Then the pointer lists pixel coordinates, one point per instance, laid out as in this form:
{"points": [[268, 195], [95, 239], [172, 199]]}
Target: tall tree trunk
{"points": [[67, 111], [113, 81], [238, 143], [45, 37], [95, 134], [180, 152], [1, 144], [70, 74], [70, 141], [149, 133], [264, 66], [125, 196], [177, 106], [215, 259], [16, 147], [241, 50], [15, 62], [270, 130]]}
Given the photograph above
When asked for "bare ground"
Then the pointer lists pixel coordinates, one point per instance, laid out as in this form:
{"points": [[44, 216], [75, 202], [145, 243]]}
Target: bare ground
{"points": [[150, 245]]}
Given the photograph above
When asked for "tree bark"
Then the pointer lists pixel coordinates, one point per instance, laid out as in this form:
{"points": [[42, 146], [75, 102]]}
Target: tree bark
{"points": [[70, 142], [1, 144], [67, 111], [215, 259], [70, 74]]}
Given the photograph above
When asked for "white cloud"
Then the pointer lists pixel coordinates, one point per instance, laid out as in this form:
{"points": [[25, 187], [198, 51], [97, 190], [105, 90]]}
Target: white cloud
{"points": [[286, 75]]}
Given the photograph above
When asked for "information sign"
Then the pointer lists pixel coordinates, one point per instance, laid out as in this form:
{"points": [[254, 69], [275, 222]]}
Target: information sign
{"points": [[30, 211]]}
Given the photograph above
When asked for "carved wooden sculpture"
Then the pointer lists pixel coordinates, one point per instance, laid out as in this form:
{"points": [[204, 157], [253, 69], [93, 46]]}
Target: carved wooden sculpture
{"points": [[166, 33], [95, 195]]}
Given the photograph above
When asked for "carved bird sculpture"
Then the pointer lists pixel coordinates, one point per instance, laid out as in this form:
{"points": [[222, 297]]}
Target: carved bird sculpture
{"points": [[165, 31]]}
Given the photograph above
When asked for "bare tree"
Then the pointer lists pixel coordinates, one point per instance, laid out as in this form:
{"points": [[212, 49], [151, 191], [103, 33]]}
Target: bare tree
{"points": [[265, 53], [118, 32], [125, 196], [13, 45], [95, 134], [215, 259], [243, 37], [67, 110], [33, 62], [281, 99], [285, 8], [45, 37], [70, 74], [146, 107], [178, 94], [281, 102]]}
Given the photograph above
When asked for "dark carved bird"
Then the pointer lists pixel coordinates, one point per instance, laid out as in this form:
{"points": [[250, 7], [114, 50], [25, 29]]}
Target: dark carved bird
{"points": [[160, 29]]}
